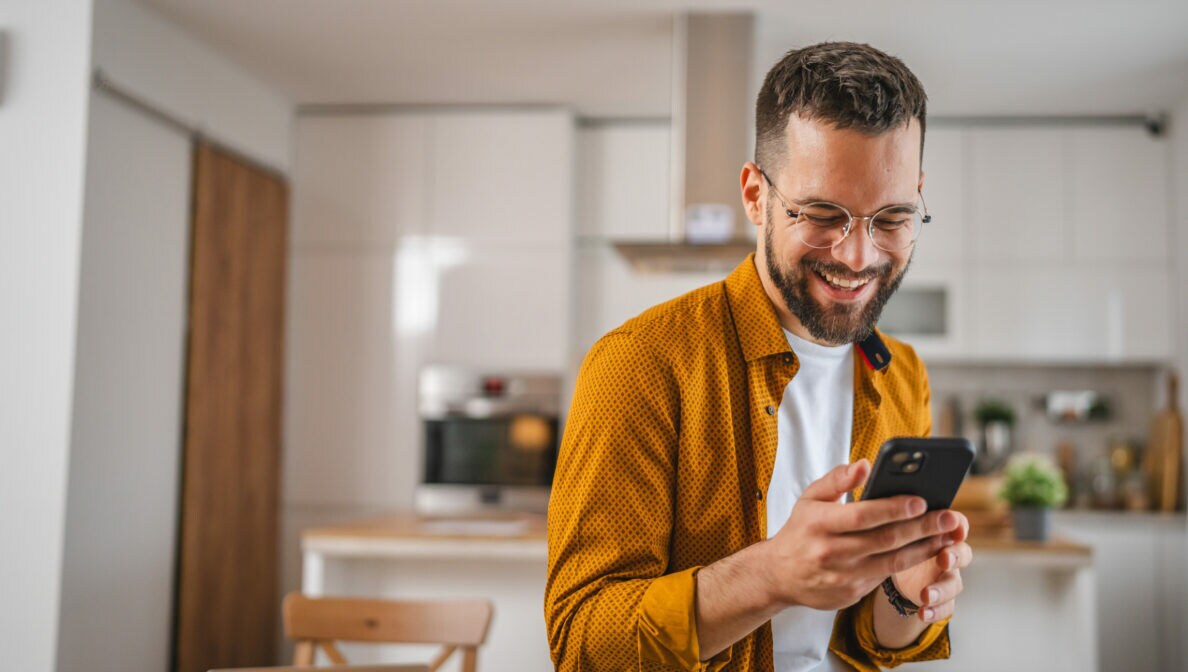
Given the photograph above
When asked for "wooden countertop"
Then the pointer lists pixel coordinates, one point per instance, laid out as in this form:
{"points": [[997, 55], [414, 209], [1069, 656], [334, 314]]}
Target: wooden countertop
{"points": [[523, 537]]}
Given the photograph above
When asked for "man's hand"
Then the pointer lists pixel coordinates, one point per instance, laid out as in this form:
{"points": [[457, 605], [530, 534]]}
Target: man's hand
{"points": [[829, 555], [935, 583]]}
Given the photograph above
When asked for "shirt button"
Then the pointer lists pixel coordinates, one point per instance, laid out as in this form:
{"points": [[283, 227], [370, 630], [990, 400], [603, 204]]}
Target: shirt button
{"points": [[770, 409], [758, 494], [787, 359]]}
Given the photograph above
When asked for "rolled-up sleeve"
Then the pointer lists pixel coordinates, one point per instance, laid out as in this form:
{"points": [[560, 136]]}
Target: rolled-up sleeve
{"points": [[610, 601]]}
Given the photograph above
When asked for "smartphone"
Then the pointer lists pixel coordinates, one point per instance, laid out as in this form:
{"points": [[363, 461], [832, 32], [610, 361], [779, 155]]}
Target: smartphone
{"points": [[931, 468]]}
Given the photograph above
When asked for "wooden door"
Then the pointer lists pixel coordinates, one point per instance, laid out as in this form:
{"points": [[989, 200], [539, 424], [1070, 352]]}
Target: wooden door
{"points": [[228, 604]]}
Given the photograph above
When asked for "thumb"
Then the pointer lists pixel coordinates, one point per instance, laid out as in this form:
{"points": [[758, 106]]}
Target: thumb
{"points": [[839, 481]]}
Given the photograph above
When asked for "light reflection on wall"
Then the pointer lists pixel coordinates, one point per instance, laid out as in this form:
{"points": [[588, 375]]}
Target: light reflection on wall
{"points": [[416, 272]]}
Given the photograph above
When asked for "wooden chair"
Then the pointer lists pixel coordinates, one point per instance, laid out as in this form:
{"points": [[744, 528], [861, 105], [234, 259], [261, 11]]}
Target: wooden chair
{"points": [[318, 622]]}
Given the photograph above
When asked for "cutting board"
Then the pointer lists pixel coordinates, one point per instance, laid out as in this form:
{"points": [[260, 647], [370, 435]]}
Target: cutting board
{"points": [[1164, 460]]}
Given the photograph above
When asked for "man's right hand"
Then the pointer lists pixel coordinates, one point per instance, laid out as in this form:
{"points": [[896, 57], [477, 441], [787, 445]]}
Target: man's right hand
{"points": [[829, 555]]}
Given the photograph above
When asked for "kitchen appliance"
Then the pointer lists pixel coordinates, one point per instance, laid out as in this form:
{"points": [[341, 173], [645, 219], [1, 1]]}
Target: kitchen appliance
{"points": [[490, 440]]}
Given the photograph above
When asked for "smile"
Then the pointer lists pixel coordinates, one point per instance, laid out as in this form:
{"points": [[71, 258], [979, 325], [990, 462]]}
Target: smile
{"points": [[843, 283]]}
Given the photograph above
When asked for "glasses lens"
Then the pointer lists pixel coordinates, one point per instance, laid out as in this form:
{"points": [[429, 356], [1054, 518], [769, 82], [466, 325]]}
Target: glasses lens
{"points": [[894, 229], [822, 224]]}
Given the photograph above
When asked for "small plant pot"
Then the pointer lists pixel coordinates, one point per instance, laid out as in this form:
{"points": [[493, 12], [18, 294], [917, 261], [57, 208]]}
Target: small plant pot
{"points": [[1031, 524]]}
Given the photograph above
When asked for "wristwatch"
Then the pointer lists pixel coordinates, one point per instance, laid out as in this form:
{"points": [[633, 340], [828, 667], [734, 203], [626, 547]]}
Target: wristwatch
{"points": [[902, 605]]}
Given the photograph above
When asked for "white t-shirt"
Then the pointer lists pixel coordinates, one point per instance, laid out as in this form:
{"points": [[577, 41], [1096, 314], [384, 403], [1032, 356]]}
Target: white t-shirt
{"points": [[813, 436]]}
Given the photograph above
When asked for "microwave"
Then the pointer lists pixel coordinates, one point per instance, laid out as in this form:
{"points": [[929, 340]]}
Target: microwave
{"points": [[490, 440]]}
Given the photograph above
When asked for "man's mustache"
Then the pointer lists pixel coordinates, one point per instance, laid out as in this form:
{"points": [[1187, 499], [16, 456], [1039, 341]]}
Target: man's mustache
{"points": [[843, 271]]}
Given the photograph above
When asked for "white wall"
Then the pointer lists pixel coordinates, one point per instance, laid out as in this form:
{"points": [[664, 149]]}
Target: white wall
{"points": [[43, 116], [121, 508], [153, 58]]}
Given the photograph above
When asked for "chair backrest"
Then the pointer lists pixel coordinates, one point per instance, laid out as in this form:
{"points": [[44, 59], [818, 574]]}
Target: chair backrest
{"points": [[318, 622]]}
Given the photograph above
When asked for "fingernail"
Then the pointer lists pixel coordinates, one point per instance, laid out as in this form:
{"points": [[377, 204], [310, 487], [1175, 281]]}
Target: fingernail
{"points": [[948, 521], [928, 614], [916, 507], [933, 595], [947, 542], [952, 559]]}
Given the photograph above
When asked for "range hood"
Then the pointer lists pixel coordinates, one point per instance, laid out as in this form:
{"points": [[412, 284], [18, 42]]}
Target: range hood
{"points": [[711, 108]]}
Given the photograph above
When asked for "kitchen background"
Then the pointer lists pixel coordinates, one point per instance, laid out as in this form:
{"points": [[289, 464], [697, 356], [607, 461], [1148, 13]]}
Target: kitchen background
{"points": [[460, 176]]}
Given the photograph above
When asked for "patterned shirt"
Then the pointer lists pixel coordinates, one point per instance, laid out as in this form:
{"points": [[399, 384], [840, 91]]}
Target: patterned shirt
{"points": [[664, 467]]}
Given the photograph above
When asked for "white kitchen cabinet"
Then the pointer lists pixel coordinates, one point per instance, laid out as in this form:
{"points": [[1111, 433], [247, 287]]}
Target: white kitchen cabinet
{"points": [[420, 237], [361, 180], [1069, 313], [501, 307], [1119, 195], [1016, 199], [352, 350], [1140, 593], [623, 181], [943, 241], [502, 176]]}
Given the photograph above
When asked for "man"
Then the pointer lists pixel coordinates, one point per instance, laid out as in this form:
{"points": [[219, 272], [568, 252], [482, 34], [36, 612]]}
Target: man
{"points": [[696, 520]]}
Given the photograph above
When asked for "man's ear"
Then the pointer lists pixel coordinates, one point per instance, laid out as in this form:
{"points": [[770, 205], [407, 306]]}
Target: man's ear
{"points": [[751, 185]]}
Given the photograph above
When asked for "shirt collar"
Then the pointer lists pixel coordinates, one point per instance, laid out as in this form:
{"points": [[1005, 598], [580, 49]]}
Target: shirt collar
{"points": [[758, 325]]}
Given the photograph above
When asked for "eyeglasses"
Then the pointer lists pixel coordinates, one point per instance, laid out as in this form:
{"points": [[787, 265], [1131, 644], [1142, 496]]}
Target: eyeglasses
{"points": [[823, 225]]}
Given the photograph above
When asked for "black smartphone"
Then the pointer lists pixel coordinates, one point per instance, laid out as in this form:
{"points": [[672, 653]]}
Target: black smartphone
{"points": [[931, 468]]}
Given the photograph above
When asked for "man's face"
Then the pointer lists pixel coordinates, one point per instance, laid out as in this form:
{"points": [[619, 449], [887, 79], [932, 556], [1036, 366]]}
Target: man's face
{"points": [[835, 294]]}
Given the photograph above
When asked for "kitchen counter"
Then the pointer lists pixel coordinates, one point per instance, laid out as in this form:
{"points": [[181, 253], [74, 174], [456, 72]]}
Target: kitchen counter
{"points": [[524, 537], [1026, 605]]}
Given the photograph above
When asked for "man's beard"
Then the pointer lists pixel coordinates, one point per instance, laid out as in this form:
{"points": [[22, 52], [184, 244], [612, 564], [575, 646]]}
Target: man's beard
{"points": [[836, 323]]}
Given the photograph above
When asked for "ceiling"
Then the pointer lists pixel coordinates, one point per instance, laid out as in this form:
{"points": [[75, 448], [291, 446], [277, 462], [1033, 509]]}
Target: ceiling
{"points": [[612, 58]]}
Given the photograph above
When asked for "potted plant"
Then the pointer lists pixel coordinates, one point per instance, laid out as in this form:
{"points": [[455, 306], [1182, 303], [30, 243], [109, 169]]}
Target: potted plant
{"points": [[995, 420], [1032, 485]]}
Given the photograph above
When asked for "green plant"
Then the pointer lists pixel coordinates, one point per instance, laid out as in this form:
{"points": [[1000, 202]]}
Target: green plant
{"points": [[993, 410], [1033, 481]]}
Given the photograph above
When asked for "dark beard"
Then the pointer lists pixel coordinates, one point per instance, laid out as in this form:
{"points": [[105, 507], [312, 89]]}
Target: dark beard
{"points": [[837, 323]]}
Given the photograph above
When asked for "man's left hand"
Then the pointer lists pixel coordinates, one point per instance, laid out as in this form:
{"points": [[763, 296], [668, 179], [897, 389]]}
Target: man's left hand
{"points": [[935, 583]]}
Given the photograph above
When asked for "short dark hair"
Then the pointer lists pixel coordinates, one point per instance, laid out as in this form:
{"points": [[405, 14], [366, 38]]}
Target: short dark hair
{"points": [[849, 84]]}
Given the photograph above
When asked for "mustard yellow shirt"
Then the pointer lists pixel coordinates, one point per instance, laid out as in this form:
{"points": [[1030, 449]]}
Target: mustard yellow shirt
{"points": [[664, 466]]}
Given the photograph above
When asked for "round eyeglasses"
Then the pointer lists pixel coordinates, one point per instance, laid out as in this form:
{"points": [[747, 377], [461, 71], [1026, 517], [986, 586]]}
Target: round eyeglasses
{"points": [[823, 225]]}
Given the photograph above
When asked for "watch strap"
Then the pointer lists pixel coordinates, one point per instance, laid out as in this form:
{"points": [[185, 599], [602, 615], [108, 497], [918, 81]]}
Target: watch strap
{"points": [[902, 605]]}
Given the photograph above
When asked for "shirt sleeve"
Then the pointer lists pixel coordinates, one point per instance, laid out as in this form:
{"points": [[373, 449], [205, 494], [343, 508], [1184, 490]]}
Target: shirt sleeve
{"points": [[610, 601], [854, 640]]}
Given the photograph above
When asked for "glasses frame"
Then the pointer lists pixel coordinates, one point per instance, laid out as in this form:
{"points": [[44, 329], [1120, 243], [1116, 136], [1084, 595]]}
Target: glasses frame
{"points": [[849, 226]]}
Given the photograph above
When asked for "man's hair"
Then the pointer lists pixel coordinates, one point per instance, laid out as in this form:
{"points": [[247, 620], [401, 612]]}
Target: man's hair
{"points": [[847, 84]]}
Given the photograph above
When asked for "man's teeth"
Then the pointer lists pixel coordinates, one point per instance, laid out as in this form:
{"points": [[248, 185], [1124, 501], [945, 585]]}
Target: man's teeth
{"points": [[843, 283]]}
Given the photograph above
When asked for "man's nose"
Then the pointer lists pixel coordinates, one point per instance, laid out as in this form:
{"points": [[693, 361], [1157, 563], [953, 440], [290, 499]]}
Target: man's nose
{"points": [[857, 250]]}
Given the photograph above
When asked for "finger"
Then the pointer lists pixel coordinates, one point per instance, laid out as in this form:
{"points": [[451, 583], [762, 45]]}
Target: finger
{"points": [[893, 562], [871, 514], [897, 535], [956, 556], [945, 589], [963, 533], [939, 612], [840, 480]]}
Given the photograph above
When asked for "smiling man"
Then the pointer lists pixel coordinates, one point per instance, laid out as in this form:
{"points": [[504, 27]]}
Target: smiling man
{"points": [[697, 519]]}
